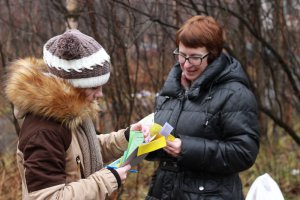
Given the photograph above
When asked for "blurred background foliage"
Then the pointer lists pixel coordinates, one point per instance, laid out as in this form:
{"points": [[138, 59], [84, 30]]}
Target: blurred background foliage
{"points": [[139, 36]]}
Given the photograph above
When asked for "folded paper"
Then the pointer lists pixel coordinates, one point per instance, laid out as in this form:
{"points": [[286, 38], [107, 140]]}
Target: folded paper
{"points": [[138, 149]]}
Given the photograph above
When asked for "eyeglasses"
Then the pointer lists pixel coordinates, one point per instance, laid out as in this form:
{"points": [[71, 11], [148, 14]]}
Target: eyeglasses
{"points": [[193, 60]]}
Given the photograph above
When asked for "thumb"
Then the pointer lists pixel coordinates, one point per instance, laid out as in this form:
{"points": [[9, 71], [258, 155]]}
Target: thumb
{"points": [[145, 129], [136, 127], [127, 167]]}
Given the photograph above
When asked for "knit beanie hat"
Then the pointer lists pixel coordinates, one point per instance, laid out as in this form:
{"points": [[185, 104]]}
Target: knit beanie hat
{"points": [[78, 58]]}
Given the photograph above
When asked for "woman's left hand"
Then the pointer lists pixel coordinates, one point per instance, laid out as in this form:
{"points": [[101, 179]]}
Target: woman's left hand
{"points": [[143, 128], [174, 148]]}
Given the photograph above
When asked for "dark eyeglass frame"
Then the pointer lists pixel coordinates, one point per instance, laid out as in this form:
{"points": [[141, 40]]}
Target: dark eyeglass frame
{"points": [[176, 53]]}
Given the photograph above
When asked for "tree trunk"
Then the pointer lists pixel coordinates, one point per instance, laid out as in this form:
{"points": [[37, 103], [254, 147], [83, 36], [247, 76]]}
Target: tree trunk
{"points": [[74, 8]]}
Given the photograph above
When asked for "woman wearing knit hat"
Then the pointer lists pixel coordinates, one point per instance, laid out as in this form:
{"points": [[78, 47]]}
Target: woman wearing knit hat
{"points": [[59, 154]]}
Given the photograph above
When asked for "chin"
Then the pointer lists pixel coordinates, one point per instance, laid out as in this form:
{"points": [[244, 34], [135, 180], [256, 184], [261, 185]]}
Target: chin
{"points": [[190, 78]]}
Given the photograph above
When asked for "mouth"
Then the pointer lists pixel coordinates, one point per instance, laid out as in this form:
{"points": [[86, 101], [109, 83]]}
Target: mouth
{"points": [[191, 71]]}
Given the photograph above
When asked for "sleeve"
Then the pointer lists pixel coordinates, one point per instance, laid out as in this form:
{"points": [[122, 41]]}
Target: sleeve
{"points": [[239, 146], [44, 162], [99, 185], [113, 145]]}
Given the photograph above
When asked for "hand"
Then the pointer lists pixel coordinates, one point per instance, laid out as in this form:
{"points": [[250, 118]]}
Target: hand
{"points": [[122, 171], [145, 129], [173, 148]]}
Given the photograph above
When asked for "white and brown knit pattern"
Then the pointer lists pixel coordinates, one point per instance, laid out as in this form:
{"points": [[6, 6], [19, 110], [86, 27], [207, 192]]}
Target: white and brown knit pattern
{"points": [[77, 58]]}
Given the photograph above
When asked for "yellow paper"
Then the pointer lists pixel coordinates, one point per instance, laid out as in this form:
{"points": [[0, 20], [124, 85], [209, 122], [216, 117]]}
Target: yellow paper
{"points": [[152, 146], [170, 138], [155, 129], [137, 150]]}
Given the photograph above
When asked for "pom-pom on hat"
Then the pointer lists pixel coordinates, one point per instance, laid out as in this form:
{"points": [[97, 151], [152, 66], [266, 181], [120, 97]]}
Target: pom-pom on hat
{"points": [[78, 58]]}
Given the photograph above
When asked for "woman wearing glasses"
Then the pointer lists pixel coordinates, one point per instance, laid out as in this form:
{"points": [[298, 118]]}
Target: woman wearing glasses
{"points": [[206, 98]]}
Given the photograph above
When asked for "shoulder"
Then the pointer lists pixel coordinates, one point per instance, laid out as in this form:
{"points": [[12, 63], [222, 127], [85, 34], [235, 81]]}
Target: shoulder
{"points": [[42, 128], [236, 96]]}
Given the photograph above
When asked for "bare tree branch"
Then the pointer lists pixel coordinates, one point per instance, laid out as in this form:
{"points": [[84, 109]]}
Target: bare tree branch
{"points": [[152, 18], [283, 125], [285, 66]]}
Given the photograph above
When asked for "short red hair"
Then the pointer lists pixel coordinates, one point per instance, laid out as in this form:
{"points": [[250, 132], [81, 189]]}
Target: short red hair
{"points": [[202, 31]]}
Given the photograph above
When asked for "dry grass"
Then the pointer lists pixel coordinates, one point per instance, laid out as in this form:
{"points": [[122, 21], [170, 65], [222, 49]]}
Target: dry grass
{"points": [[10, 182], [281, 160]]}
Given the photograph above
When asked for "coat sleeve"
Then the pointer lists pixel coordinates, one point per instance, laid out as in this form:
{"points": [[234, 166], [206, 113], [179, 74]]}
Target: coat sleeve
{"points": [[113, 145], [45, 178], [99, 185], [239, 146]]}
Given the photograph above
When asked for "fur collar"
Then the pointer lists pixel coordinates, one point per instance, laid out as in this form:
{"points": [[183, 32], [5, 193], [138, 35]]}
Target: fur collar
{"points": [[31, 89]]}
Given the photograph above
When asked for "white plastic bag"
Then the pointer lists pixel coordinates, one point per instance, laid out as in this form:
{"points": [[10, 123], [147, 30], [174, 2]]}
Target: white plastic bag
{"points": [[264, 188]]}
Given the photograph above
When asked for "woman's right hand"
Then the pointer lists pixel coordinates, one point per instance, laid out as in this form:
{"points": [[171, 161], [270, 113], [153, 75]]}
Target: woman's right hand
{"points": [[122, 171]]}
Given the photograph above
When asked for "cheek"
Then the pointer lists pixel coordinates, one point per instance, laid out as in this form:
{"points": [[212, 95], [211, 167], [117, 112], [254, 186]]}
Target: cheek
{"points": [[88, 94], [182, 67]]}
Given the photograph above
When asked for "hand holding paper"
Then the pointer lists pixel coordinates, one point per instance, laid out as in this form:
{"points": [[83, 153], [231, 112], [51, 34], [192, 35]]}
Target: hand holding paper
{"points": [[138, 148], [173, 147], [122, 171], [143, 128]]}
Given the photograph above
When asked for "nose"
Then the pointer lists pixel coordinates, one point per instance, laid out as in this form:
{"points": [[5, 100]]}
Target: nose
{"points": [[186, 64]]}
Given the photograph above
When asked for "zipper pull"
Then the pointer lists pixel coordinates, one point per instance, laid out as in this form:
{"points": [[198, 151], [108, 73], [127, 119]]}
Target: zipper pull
{"points": [[205, 124], [186, 93], [79, 166], [208, 98], [78, 163]]}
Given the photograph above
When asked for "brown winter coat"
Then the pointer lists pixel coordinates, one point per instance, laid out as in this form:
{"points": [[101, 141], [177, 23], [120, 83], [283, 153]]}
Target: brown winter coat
{"points": [[49, 155]]}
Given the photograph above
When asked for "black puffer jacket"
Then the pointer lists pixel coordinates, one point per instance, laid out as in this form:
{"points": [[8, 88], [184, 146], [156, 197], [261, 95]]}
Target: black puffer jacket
{"points": [[216, 119]]}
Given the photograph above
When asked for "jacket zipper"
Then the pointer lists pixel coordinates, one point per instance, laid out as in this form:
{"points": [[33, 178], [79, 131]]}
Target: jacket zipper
{"points": [[182, 99], [208, 98], [79, 166]]}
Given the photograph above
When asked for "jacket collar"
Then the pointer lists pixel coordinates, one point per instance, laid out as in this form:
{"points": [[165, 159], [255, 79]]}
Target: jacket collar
{"points": [[173, 88], [32, 90]]}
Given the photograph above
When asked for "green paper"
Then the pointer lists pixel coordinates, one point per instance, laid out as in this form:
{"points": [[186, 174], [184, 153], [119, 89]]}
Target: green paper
{"points": [[115, 164], [135, 139]]}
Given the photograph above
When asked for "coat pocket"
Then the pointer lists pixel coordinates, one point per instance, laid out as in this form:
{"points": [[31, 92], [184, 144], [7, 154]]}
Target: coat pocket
{"points": [[162, 185], [198, 187]]}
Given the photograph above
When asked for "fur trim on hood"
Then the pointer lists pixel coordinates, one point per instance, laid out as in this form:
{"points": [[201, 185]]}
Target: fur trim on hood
{"points": [[31, 89]]}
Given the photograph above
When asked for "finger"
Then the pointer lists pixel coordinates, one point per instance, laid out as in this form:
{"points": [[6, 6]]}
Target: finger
{"points": [[166, 150], [170, 153], [145, 129], [136, 127], [147, 137], [127, 167], [173, 152], [175, 144], [170, 148], [124, 179], [170, 144]]}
